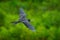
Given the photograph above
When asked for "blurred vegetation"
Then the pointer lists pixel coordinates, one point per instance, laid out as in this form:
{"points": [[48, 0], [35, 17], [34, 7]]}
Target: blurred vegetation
{"points": [[44, 16]]}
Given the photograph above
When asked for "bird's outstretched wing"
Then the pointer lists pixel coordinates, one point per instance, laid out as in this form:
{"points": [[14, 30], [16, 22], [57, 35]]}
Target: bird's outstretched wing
{"points": [[22, 13], [22, 16], [28, 25]]}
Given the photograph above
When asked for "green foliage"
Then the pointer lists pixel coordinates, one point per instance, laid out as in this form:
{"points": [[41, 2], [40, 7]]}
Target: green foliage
{"points": [[2, 21], [44, 15]]}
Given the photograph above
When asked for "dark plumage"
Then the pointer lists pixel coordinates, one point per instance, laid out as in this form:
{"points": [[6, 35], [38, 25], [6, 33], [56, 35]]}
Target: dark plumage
{"points": [[24, 20]]}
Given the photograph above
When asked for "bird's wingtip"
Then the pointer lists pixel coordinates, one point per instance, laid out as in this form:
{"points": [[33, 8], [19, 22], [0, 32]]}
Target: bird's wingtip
{"points": [[34, 30]]}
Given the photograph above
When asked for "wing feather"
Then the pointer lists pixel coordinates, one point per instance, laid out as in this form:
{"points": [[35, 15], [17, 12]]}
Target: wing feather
{"points": [[22, 13], [28, 25]]}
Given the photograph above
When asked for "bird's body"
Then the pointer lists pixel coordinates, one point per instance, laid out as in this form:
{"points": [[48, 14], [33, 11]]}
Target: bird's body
{"points": [[24, 20]]}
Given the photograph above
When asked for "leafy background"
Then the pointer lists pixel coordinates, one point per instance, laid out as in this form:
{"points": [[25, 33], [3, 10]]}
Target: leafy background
{"points": [[44, 16]]}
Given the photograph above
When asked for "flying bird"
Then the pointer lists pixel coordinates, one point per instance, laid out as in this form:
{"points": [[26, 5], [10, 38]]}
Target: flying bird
{"points": [[24, 20]]}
